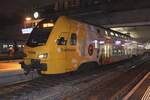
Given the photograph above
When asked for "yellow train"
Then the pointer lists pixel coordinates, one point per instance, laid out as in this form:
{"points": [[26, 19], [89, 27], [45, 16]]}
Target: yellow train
{"points": [[62, 45]]}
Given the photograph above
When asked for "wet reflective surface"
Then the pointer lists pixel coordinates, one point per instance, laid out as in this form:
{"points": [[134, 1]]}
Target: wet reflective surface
{"points": [[9, 66]]}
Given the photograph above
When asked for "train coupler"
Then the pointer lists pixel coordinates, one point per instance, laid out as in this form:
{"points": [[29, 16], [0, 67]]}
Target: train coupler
{"points": [[34, 66]]}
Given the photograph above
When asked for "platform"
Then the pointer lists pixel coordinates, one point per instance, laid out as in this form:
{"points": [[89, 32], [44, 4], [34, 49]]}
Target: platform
{"points": [[4, 57], [11, 72], [9, 65], [141, 91]]}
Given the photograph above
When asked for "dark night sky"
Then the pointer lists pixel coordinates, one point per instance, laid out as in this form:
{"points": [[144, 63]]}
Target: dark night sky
{"points": [[8, 7], [12, 11]]}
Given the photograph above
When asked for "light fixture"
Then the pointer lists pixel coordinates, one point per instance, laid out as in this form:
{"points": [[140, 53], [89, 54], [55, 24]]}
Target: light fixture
{"points": [[36, 15], [112, 33], [117, 42], [26, 30], [28, 18], [46, 25], [42, 56], [101, 42]]}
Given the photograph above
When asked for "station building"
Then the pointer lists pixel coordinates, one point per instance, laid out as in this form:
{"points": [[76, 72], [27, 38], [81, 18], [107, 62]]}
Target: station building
{"points": [[67, 4], [5, 45], [11, 37]]}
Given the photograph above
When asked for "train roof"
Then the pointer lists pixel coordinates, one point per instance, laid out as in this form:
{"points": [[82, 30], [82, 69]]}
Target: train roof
{"points": [[108, 29]]}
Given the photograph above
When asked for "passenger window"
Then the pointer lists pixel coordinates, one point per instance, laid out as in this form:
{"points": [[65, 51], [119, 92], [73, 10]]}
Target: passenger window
{"points": [[115, 52], [73, 40]]}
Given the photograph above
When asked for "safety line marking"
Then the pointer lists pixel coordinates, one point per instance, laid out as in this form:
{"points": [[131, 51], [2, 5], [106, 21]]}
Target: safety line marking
{"points": [[146, 96], [136, 87]]}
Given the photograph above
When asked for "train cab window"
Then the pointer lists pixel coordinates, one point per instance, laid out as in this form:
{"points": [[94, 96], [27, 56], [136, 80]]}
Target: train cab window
{"points": [[61, 41], [73, 39], [40, 34]]}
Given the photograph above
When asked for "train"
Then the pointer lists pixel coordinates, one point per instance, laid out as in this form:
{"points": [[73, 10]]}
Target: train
{"points": [[62, 45]]}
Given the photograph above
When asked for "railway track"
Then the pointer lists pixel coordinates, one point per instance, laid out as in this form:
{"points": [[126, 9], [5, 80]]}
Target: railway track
{"points": [[113, 88], [68, 86], [13, 77]]}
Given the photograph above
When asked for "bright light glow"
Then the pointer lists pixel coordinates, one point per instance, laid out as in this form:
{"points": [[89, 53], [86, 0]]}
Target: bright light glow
{"points": [[122, 30], [147, 46], [95, 43], [105, 52], [106, 33], [28, 18], [41, 56], [50, 24], [5, 46], [45, 25], [123, 45], [36, 15], [141, 46], [101, 42], [10, 45], [134, 42], [117, 42], [26, 30], [19, 46], [116, 35], [112, 33]]}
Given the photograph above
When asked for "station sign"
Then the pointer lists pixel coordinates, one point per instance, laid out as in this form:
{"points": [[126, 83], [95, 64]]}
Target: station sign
{"points": [[26, 30]]}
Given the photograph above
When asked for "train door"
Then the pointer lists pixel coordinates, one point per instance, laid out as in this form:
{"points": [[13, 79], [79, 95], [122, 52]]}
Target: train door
{"points": [[101, 55], [105, 53], [76, 46], [72, 54]]}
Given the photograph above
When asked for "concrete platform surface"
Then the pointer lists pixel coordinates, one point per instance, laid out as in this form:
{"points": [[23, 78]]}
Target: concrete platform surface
{"points": [[141, 91], [11, 72], [7, 65]]}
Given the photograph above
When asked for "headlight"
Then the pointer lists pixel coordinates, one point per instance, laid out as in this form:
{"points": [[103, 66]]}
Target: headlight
{"points": [[45, 55]]}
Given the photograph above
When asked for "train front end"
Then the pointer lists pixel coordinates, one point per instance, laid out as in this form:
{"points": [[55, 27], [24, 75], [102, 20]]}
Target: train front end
{"points": [[36, 49]]}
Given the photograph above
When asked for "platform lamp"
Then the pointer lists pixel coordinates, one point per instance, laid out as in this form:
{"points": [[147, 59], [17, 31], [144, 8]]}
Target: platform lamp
{"points": [[28, 18], [36, 15]]}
